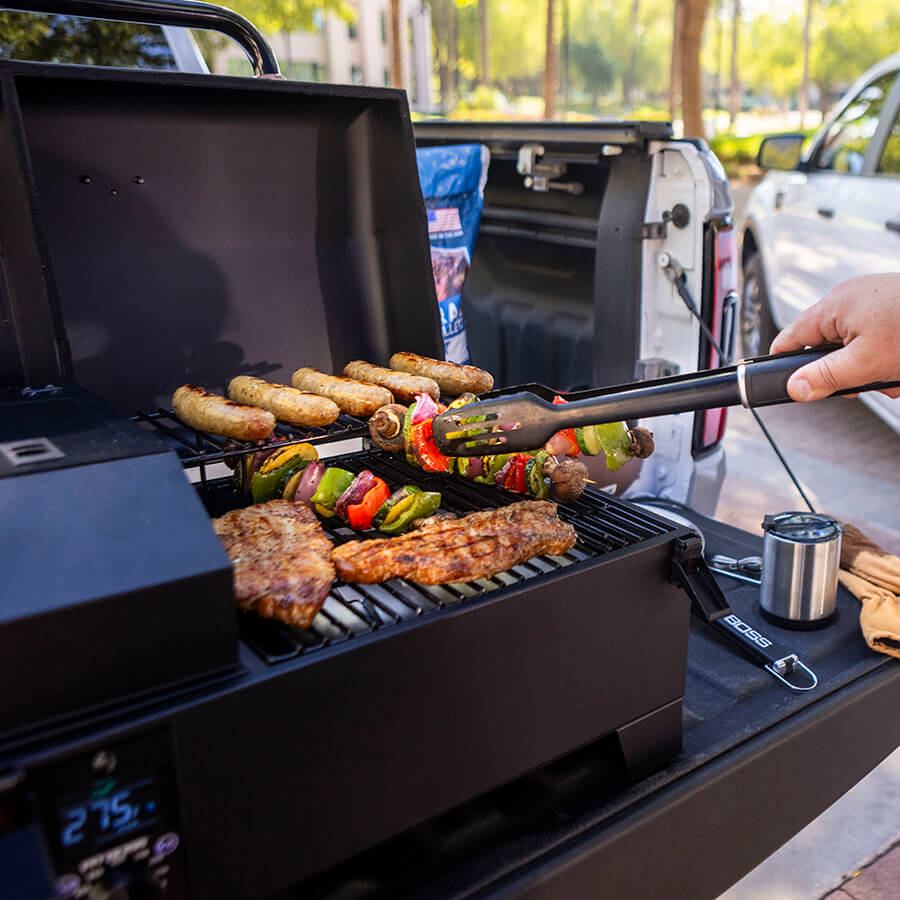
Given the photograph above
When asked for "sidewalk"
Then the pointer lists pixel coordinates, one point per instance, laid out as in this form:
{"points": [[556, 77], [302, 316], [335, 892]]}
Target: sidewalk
{"points": [[880, 880]]}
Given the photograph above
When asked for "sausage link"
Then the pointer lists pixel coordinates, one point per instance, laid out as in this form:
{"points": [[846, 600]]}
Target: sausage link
{"points": [[200, 409], [286, 403], [353, 397], [402, 385], [452, 379]]}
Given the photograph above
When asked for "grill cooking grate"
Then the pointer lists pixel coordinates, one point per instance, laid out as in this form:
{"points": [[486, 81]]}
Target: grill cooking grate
{"points": [[200, 449], [603, 523]]}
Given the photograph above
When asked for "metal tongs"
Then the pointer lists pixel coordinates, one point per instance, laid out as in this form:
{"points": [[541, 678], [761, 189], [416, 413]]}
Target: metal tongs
{"points": [[521, 422]]}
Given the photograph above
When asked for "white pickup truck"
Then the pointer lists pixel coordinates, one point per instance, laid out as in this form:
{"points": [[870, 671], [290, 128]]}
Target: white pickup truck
{"points": [[829, 210]]}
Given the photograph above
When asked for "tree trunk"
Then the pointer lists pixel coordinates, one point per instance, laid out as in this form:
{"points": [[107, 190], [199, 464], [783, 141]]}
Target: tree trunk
{"points": [[566, 81], [734, 98], [454, 46], [483, 26], [803, 102], [550, 64], [675, 62], [628, 81], [396, 49], [440, 18], [690, 37]]}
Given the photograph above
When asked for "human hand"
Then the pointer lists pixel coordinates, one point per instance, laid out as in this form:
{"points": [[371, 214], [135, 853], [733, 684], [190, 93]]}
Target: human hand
{"points": [[863, 314]]}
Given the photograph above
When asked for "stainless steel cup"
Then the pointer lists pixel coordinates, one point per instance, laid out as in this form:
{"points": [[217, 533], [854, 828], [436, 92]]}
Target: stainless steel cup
{"points": [[801, 558]]}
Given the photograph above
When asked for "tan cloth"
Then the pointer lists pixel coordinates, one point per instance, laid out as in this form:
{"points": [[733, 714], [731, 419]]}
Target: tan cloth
{"points": [[873, 576]]}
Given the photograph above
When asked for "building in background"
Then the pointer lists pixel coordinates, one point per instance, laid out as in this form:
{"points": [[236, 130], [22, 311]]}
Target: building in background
{"points": [[354, 53]]}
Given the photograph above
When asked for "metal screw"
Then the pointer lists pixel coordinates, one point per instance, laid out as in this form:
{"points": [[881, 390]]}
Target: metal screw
{"points": [[138, 179], [114, 192], [85, 179]]}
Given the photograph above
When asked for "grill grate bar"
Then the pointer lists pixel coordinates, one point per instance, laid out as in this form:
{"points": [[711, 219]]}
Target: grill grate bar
{"points": [[604, 525], [206, 449]]}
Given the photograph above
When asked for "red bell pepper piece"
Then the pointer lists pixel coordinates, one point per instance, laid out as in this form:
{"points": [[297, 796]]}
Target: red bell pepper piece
{"points": [[521, 485], [568, 433], [360, 515], [425, 450], [515, 477]]}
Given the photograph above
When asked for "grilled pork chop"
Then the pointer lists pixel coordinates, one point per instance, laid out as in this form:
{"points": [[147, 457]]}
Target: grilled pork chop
{"points": [[474, 546], [281, 559]]}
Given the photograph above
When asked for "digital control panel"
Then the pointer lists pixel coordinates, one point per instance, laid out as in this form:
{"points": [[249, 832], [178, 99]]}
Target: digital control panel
{"points": [[111, 824]]}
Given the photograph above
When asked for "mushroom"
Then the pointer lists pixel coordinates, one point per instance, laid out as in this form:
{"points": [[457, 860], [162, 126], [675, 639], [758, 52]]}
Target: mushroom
{"points": [[386, 427], [641, 444], [567, 478]]}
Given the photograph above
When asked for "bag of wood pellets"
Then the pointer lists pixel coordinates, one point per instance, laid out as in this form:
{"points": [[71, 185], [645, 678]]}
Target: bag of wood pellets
{"points": [[453, 180]]}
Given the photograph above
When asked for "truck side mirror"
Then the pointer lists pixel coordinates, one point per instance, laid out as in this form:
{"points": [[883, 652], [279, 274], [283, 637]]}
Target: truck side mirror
{"points": [[780, 151]]}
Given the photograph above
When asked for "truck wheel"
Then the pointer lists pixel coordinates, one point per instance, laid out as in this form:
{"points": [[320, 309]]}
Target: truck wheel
{"points": [[758, 329]]}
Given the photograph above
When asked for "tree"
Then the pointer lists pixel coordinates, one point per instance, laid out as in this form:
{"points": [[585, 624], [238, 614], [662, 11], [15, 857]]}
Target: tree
{"points": [[689, 37], [444, 35], [628, 81], [593, 69], [272, 17], [484, 42], [550, 63], [675, 62], [396, 74], [734, 95], [803, 103]]}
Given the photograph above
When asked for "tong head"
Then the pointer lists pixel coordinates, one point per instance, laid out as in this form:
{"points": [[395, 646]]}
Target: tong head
{"points": [[511, 424]]}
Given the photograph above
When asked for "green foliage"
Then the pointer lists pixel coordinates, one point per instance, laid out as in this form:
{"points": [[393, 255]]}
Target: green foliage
{"points": [[272, 16], [483, 97], [591, 68], [65, 39]]}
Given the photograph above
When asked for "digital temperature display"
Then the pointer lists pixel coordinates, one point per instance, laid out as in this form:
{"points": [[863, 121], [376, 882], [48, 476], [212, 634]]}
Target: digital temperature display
{"points": [[111, 811]]}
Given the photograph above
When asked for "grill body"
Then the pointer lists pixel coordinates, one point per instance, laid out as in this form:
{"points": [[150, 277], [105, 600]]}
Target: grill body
{"points": [[308, 757], [153, 237]]}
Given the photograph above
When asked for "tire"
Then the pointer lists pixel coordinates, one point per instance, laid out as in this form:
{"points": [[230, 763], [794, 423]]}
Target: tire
{"points": [[758, 328]]}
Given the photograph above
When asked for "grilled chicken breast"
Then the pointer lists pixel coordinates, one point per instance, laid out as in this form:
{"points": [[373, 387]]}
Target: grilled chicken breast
{"points": [[474, 546], [281, 559]]}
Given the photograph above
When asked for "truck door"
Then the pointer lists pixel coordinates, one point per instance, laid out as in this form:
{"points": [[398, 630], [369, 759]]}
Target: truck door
{"points": [[821, 240]]}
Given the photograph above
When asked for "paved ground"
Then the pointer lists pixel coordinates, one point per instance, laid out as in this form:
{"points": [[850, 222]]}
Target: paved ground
{"points": [[849, 463]]}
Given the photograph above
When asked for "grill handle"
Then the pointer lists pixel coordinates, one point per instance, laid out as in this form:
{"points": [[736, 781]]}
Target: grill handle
{"points": [[180, 13]]}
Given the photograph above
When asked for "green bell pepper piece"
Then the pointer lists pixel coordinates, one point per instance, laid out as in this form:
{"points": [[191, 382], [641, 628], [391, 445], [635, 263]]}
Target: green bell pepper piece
{"points": [[334, 482], [415, 506], [538, 486], [391, 502], [269, 485], [615, 442]]}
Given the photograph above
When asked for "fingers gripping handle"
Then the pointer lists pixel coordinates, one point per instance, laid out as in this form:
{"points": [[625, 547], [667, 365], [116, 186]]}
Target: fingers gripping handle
{"points": [[763, 381]]}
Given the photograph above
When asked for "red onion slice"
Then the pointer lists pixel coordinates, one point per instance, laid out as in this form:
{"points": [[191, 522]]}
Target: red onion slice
{"points": [[359, 487], [312, 475], [425, 409]]}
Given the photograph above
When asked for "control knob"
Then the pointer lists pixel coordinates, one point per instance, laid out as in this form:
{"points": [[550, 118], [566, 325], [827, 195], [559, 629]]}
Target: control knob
{"points": [[126, 882]]}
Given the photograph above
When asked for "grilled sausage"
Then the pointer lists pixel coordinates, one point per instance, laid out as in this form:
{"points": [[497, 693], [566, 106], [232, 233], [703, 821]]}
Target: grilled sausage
{"points": [[286, 403], [403, 386], [196, 407], [452, 379], [354, 397]]}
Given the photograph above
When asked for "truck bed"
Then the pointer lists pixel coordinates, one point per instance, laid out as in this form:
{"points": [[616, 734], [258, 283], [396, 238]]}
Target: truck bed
{"points": [[758, 764]]}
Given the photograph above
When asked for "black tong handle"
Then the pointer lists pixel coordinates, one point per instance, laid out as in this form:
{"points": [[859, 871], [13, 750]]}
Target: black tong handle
{"points": [[752, 382], [763, 381]]}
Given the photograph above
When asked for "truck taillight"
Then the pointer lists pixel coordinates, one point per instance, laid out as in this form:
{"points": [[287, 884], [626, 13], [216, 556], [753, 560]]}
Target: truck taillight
{"points": [[724, 293]]}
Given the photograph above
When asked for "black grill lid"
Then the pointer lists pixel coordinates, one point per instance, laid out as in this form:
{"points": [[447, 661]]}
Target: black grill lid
{"points": [[198, 227]]}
